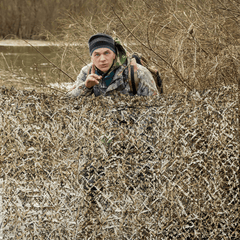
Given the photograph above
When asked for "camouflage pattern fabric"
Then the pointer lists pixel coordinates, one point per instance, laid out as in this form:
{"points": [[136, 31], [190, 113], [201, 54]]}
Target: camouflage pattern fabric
{"points": [[120, 82]]}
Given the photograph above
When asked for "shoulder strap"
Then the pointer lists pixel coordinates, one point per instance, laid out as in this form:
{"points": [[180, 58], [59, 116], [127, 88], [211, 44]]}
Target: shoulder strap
{"points": [[157, 78], [159, 83], [133, 80]]}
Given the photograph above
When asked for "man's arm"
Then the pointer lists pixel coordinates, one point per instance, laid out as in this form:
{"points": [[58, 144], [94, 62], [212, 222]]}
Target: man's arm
{"points": [[85, 82]]}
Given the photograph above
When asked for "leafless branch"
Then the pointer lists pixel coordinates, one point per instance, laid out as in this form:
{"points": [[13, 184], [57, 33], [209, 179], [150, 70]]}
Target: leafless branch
{"points": [[50, 61], [177, 74]]}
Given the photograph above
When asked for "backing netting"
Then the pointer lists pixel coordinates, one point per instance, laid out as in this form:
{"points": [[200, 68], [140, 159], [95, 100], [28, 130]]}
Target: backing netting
{"points": [[120, 167]]}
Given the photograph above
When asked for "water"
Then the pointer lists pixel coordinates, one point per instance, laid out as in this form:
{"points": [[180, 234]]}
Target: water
{"points": [[17, 54]]}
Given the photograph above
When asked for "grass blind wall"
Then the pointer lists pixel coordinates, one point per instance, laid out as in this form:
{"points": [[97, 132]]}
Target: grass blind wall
{"points": [[120, 167]]}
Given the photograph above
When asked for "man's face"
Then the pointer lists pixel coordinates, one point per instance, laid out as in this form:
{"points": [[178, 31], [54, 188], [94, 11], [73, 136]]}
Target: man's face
{"points": [[103, 58]]}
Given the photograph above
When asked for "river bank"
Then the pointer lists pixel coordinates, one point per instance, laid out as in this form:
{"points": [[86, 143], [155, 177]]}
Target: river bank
{"points": [[6, 76], [22, 43], [10, 79], [35, 43]]}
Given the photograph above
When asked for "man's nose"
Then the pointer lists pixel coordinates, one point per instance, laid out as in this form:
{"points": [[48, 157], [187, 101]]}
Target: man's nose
{"points": [[102, 58]]}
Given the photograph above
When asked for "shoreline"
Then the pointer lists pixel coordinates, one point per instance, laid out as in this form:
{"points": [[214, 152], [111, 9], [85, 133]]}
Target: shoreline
{"points": [[10, 79], [35, 43], [22, 43]]}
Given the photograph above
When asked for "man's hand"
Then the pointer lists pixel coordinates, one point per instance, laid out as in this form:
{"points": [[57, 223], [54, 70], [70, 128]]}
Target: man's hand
{"points": [[92, 79]]}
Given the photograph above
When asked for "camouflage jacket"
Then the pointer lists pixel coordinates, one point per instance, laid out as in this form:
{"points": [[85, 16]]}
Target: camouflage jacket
{"points": [[120, 82]]}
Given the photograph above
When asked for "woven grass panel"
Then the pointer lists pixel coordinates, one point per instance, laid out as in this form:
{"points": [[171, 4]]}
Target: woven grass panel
{"points": [[120, 167]]}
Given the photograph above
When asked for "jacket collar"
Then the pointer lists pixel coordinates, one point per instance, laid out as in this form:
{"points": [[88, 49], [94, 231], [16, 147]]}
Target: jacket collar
{"points": [[118, 80]]}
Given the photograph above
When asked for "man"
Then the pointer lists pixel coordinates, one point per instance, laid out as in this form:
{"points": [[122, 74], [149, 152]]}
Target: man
{"points": [[109, 71]]}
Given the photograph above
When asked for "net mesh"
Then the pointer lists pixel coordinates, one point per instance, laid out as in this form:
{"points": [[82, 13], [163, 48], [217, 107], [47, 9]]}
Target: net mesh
{"points": [[120, 167]]}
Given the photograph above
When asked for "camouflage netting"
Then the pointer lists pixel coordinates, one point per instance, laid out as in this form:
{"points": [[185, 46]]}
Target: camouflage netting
{"points": [[120, 167]]}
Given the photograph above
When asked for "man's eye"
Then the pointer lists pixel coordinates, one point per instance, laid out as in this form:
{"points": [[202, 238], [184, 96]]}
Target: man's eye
{"points": [[97, 54], [106, 53]]}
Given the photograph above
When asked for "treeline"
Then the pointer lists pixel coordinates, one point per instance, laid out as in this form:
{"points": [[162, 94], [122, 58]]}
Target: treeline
{"points": [[29, 18]]}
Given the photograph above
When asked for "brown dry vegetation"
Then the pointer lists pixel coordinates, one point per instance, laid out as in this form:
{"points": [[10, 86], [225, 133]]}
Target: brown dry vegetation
{"points": [[123, 167], [120, 167], [194, 44]]}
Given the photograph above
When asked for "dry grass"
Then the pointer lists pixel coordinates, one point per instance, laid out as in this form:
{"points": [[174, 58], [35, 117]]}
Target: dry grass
{"points": [[195, 45], [120, 167], [131, 168], [17, 79]]}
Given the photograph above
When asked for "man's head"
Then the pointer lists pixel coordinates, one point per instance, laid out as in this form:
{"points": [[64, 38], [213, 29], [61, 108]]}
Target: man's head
{"points": [[102, 51]]}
